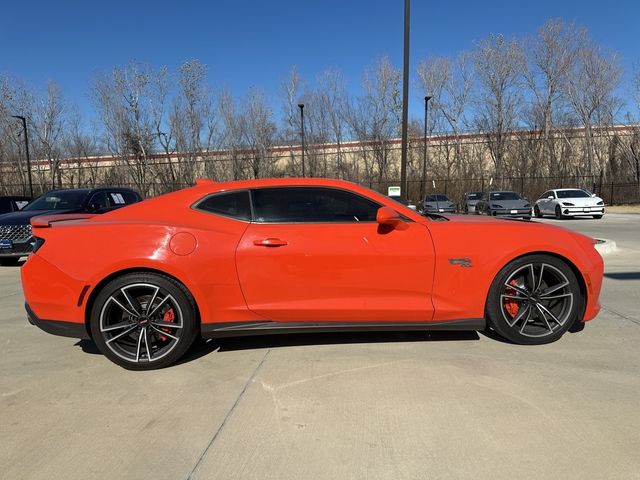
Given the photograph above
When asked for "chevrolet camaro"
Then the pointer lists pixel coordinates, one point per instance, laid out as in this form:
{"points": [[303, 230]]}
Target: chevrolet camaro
{"points": [[298, 255]]}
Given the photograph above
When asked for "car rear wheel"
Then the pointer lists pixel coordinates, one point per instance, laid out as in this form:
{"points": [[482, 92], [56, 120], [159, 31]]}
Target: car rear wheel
{"points": [[537, 212], [534, 300], [143, 321]]}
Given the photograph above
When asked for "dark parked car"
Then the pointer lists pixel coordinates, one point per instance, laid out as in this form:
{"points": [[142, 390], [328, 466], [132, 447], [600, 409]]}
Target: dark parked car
{"points": [[504, 204], [470, 200], [407, 203], [13, 204], [15, 228], [438, 203]]}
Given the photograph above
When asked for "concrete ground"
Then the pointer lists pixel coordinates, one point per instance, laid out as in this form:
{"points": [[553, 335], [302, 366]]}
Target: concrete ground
{"points": [[339, 406]]}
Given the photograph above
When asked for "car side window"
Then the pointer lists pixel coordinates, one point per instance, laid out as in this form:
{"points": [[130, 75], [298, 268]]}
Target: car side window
{"points": [[99, 201], [121, 198], [312, 205], [228, 204]]}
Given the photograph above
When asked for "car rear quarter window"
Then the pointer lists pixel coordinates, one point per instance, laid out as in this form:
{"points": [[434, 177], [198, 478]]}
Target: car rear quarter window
{"points": [[229, 204], [312, 205]]}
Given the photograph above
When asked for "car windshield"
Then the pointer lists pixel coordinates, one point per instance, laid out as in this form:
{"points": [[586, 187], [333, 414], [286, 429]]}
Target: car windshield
{"points": [[474, 196], [572, 194], [63, 200], [505, 196], [436, 198]]}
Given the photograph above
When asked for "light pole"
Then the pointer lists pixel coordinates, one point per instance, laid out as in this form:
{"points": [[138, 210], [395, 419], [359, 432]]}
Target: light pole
{"points": [[424, 158], [301, 107], [26, 146], [405, 100]]}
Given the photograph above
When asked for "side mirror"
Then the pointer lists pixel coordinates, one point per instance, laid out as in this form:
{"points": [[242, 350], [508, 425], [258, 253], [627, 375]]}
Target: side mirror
{"points": [[388, 216], [550, 197], [94, 207], [593, 195]]}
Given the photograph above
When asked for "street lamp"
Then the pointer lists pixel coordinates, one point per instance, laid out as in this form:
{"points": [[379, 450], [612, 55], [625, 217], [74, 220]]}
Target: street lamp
{"points": [[424, 158], [301, 107], [405, 100], [26, 146]]}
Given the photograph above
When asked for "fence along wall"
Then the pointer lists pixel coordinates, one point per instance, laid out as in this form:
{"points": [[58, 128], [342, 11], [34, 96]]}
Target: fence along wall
{"points": [[455, 165]]}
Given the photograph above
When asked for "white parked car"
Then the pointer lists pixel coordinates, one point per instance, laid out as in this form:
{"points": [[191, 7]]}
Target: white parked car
{"points": [[569, 202]]}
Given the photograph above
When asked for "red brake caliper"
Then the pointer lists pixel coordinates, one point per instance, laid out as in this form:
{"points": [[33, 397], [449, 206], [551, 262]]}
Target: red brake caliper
{"points": [[169, 317], [510, 304]]}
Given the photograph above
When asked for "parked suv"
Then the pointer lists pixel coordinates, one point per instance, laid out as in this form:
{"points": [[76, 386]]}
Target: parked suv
{"points": [[15, 228]]}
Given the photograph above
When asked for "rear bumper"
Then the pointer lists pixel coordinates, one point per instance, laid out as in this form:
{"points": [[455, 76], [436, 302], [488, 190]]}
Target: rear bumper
{"points": [[57, 327]]}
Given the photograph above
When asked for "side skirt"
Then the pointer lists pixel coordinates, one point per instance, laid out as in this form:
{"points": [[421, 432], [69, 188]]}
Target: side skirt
{"points": [[238, 329]]}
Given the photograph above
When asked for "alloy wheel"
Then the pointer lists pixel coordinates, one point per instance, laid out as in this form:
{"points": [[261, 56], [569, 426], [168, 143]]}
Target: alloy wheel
{"points": [[141, 323], [536, 300]]}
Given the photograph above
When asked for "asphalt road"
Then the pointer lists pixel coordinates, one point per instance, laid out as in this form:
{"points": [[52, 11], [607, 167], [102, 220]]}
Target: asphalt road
{"points": [[339, 406]]}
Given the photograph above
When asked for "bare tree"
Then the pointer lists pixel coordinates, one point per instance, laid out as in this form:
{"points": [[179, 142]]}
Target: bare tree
{"points": [[591, 90], [551, 57], [193, 120], [123, 101], [233, 134], [375, 118], [260, 131], [48, 124], [499, 64], [448, 82]]}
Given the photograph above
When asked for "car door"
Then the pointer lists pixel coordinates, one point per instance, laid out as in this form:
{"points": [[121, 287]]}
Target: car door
{"points": [[548, 202], [317, 254]]}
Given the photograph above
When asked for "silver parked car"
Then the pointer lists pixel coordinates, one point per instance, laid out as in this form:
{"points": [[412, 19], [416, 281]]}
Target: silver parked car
{"points": [[504, 204], [438, 203], [470, 200], [569, 202]]}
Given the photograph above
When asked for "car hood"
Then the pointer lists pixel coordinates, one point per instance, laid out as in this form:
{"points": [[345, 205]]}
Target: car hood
{"points": [[581, 202], [439, 204], [24, 218]]}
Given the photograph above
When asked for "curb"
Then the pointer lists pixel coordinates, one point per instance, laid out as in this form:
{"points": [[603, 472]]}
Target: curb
{"points": [[605, 246]]}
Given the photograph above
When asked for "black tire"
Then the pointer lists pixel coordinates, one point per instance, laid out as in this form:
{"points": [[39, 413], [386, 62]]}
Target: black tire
{"points": [[131, 324], [597, 217], [9, 262], [537, 212], [559, 214], [518, 307]]}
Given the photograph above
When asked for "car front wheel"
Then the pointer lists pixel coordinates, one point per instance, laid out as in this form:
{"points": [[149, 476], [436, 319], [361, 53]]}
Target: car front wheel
{"points": [[559, 215], [143, 321], [537, 212], [534, 300]]}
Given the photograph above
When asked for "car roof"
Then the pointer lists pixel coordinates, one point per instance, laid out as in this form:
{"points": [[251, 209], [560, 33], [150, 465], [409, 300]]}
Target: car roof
{"points": [[90, 190]]}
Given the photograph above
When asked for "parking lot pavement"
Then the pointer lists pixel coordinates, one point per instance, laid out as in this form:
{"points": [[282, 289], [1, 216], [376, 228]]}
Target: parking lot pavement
{"points": [[375, 406]]}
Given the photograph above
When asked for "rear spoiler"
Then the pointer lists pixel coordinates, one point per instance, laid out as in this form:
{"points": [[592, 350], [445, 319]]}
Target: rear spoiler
{"points": [[46, 221]]}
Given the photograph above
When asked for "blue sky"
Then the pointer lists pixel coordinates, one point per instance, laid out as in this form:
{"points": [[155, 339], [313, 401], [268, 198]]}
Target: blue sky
{"points": [[255, 43]]}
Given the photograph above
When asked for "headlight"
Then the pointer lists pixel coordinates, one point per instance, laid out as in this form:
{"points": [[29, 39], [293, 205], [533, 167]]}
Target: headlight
{"points": [[495, 205], [568, 204], [527, 206], [600, 203]]}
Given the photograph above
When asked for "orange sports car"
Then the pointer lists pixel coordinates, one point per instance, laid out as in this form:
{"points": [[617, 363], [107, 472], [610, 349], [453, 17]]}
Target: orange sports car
{"points": [[298, 255]]}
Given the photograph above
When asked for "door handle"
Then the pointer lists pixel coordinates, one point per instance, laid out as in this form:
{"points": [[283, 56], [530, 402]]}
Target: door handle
{"points": [[270, 242]]}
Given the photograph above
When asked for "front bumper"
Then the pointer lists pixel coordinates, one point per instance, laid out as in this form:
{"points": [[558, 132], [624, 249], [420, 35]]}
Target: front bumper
{"points": [[58, 327], [440, 210], [17, 250], [579, 211], [512, 213]]}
